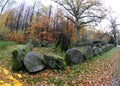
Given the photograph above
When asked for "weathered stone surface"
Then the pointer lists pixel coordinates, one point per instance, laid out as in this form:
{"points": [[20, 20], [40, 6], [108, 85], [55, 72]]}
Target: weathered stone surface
{"points": [[18, 55], [63, 42], [73, 56], [19, 52], [96, 51], [55, 61], [88, 52], [30, 45], [34, 62]]}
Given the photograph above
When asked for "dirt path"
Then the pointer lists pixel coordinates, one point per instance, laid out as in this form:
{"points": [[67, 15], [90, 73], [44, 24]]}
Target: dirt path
{"points": [[115, 81]]}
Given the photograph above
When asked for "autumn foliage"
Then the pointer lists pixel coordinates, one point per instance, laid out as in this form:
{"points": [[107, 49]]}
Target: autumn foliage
{"points": [[17, 37]]}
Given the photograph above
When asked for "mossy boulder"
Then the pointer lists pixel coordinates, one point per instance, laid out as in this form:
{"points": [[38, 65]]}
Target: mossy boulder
{"points": [[54, 61], [96, 51], [73, 56], [34, 62], [29, 45], [88, 53], [63, 42], [20, 51], [18, 55]]}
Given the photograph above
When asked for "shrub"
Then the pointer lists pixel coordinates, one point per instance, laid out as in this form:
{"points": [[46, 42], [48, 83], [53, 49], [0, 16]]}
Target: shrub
{"points": [[17, 37]]}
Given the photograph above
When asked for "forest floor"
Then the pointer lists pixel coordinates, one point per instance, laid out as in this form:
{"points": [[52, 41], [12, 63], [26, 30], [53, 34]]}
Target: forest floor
{"points": [[102, 70]]}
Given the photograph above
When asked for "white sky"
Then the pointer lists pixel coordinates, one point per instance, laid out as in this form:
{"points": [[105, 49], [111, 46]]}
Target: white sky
{"points": [[113, 4]]}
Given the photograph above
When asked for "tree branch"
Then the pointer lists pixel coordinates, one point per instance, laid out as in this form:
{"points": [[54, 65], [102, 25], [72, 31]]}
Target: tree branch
{"points": [[4, 6]]}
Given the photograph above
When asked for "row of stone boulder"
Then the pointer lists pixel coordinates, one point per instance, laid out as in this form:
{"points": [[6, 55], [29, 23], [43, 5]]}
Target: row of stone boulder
{"points": [[24, 58]]}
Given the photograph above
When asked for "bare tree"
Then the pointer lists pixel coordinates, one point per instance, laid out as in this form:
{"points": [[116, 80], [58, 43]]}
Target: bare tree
{"points": [[83, 11], [4, 3], [114, 25], [32, 12]]}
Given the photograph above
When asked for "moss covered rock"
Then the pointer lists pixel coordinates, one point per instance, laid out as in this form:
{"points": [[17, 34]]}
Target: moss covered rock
{"points": [[88, 53], [55, 61], [73, 56], [18, 55], [30, 45]]}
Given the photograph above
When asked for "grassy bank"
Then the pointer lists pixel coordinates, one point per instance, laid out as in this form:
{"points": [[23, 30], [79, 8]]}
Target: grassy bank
{"points": [[5, 44]]}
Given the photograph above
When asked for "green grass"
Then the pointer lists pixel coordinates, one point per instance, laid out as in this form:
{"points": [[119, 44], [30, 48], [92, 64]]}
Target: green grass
{"points": [[5, 44]]}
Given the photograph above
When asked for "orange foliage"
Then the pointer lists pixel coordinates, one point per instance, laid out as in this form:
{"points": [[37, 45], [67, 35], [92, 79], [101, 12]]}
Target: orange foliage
{"points": [[41, 29], [17, 37], [98, 34]]}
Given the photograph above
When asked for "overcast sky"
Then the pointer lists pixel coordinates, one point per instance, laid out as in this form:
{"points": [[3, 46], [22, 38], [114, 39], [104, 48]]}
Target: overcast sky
{"points": [[113, 4]]}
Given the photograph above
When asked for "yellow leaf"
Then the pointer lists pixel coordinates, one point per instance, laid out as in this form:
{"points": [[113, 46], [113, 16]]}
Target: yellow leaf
{"points": [[5, 72], [19, 75]]}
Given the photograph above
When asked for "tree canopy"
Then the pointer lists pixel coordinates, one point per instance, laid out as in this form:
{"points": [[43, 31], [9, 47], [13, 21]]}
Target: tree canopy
{"points": [[83, 12]]}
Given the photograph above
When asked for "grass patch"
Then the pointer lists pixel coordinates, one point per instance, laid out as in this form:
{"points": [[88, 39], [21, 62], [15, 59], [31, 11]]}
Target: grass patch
{"points": [[5, 44]]}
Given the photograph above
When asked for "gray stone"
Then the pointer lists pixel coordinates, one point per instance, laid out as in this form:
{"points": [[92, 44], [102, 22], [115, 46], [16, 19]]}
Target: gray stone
{"points": [[30, 45], [96, 51], [73, 56], [54, 61], [34, 62], [19, 52], [88, 52]]}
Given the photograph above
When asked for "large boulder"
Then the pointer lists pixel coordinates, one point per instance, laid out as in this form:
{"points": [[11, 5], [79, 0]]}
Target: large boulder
{"points": [[97, 51], [73, 56], [18, 55], [29, 45], [107, 47], [88, 53], [63, 42], [34, 62], [54, 61]]}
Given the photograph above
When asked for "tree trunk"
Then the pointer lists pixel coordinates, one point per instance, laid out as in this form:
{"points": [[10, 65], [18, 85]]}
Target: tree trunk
{"points": [[77, 32], [115, 38]]}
